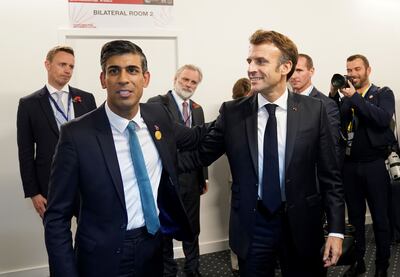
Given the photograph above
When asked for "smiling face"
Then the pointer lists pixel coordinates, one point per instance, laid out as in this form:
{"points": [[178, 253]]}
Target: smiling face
{"points": [[266, 73], [124, 80], [60, 69], [359, 73], [301, 78]]}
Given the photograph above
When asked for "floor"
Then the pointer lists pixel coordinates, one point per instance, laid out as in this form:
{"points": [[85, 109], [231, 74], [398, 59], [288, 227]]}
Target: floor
{"points": [[218, 264]]}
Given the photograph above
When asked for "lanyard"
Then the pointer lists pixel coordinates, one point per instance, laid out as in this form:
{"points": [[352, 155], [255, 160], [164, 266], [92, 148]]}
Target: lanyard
{"points": [[58, 107]]}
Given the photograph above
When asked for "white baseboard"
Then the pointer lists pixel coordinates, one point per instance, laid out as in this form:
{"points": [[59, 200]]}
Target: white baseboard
{"points": [[38, 271]]}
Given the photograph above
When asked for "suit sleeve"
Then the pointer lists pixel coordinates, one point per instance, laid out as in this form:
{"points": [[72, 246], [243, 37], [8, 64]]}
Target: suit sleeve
{"points": [[26, 151], [330, 182], [376, 115], [63, 186]]}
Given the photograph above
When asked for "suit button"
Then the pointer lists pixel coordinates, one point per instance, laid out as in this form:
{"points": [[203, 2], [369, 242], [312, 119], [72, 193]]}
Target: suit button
{"points": [[118, 251], [123, 226]]}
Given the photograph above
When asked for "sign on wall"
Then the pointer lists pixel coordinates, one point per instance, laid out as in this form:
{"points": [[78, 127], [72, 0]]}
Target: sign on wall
{"points": [[121, 13]]}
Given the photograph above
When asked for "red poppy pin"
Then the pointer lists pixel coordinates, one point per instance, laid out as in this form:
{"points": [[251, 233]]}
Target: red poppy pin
{"points": [[77, 99], [195, 105]]}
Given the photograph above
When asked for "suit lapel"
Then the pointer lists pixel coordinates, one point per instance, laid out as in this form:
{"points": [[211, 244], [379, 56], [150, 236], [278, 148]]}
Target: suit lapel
{"points": [[173, 107], [251, 113], [47, 110], [106, 141], [159, 142], [293, 116], [314, 92], [196, 113]]}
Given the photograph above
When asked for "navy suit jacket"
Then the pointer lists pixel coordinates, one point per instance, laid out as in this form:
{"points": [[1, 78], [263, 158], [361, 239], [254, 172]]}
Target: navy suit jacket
{"points": [[37, 136], [375, 110], [334, 119], [308, 147], [86, 162]]}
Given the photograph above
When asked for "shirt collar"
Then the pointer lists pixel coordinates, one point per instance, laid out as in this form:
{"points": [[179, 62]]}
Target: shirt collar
{"points": [[120, 123], [281, 102], [178, 99], [307, 91], [52, 89]]}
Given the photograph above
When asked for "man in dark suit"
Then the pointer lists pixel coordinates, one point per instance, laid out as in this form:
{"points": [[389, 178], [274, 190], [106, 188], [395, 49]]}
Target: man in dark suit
{"points": [[301, 83], [121, 158], [366, 111], [277, 143], [191, 184], [39, 117]]}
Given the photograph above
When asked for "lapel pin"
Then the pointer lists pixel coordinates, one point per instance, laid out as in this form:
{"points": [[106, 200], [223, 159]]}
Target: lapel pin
{"points": [[157, 135], [156, 127], [371, 96], [294, 109]]}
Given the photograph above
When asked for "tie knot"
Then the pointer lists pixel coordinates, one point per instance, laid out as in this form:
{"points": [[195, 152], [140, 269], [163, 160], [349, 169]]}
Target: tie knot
{"points": [[271, 109], [131, 126], [184, 104]]}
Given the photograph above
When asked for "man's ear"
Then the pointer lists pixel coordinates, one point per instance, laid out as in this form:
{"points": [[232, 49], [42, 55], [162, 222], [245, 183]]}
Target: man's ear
{"points": [[146, 77], [286, 67], [103, 80]]}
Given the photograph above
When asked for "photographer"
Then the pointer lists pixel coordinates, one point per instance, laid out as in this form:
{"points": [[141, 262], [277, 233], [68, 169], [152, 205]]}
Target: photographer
{"points": [[366, 111]]}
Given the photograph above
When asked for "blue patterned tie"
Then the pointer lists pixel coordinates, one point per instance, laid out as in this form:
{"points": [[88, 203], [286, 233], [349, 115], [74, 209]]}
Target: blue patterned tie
{"points": [[271, 194], [146, 193]]}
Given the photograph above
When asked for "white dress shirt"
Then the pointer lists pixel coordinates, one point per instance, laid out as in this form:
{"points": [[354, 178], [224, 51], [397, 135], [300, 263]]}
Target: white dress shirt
{"points": [[179, 101], [307, 91], [262, 118], [151, 157], [64, 99]]}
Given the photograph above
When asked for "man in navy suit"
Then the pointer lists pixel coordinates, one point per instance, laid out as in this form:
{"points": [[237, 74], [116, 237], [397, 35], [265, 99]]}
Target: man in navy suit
{"points": [[191, 184], [96, 157], [39, 118], [366, 111], [301, 83], [277, 144]]}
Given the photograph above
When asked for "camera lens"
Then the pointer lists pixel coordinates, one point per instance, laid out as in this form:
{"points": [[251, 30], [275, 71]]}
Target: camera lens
{"points": [[339, 81]]}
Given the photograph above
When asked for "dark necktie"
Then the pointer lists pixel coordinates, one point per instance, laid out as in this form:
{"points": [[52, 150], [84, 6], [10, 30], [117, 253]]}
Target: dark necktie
{"points": [[186, 117], [146, 193], [271, 191]]}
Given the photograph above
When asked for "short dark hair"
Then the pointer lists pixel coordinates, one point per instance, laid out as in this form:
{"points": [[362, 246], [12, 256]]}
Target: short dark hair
{"points": [[120, 47], [241, 88], [359, 56], [282, 42], [59, 48], [309, 61]]}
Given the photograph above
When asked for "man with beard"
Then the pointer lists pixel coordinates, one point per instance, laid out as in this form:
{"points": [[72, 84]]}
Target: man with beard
{"points": [[194, 183], [366, 111]]}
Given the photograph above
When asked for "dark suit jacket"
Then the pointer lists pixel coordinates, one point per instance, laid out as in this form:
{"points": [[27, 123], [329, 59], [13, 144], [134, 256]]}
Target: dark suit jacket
{"points": [[197, 119], [308, 146], [86, 162], [375, 110], [334, 119], [195, 177], [37, 136]]}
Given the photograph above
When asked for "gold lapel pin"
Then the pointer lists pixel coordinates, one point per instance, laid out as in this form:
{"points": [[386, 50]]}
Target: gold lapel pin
{"points": [[157, 135]]}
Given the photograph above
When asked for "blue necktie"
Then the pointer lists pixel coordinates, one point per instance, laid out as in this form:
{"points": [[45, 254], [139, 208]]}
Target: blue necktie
{"points": [[271, 191], [146, 193]]}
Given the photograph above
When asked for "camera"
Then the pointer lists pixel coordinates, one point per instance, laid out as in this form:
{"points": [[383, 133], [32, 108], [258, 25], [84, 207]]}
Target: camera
{"points": [[393, 166], [339, 81]]}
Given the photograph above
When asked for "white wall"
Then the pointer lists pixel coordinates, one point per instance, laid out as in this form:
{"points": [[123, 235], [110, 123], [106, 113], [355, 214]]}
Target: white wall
{"points": [[213, 35]]}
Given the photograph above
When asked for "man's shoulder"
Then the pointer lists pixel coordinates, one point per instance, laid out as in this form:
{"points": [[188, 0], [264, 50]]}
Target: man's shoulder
{"points": [[324, 98], [34, 95], [79, 91], [161, 98]]}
